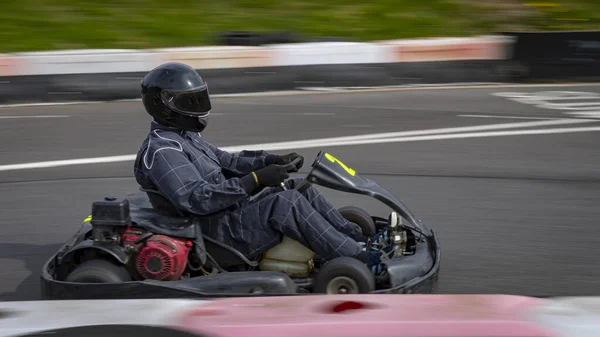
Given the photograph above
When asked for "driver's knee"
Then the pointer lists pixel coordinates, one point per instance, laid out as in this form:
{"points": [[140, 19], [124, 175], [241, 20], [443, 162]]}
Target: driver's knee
{"points": [[293, 182], [291, 196], [290, 193]]}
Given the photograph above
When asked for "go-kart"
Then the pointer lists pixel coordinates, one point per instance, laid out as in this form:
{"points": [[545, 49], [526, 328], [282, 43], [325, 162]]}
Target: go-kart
{"points": [[128, 248]]}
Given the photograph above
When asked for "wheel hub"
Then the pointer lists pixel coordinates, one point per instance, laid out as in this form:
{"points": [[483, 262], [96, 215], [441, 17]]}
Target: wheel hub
{"points": [[342, 285]]}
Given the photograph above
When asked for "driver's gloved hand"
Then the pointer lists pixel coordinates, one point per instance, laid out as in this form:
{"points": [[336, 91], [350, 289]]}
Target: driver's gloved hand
{"points": [[272, 175], [285, 159]]}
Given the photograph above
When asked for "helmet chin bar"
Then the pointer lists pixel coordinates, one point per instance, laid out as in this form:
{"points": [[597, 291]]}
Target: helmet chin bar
{"points": [[205, 117]]}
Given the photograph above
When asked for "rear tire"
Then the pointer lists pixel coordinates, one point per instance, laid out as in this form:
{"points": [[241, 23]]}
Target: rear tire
{"points": [[98, 271], [360, 217], [344, 275]]}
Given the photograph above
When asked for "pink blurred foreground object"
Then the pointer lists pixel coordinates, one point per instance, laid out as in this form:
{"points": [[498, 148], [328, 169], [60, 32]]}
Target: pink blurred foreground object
{"points": [[367, 316]]}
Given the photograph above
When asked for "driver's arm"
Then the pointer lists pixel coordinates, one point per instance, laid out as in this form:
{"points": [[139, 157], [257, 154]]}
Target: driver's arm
{"points": [[241, 163], [188, 189]]}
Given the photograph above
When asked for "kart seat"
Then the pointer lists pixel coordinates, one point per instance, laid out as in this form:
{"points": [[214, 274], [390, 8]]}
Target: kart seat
{"points": [[159, 221]]}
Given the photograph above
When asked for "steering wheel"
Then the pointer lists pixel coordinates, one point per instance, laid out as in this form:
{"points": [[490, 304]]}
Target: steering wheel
{"points": [[291, 168]]}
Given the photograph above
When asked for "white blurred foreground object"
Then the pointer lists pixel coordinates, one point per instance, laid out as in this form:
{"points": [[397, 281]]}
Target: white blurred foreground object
{"points": [[329, 315], [31, 316]]}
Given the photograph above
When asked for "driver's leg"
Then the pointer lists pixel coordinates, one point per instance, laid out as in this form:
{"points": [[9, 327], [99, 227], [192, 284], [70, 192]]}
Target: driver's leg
{"points": [[290, 213], [328, 211]]}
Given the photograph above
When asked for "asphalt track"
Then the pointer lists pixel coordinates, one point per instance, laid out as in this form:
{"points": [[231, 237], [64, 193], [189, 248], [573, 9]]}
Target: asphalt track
{"points": [[515, 213]]}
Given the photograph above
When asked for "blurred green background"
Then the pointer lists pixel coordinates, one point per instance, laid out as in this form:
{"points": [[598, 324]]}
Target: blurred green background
{"points": [[28, 25]]}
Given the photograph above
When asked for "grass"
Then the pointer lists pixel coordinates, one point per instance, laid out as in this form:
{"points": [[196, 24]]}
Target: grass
{"points": [[28, 25]]}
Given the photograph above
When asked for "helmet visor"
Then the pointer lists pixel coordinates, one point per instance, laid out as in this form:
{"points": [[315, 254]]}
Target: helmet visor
{"points": [[194, 103]]}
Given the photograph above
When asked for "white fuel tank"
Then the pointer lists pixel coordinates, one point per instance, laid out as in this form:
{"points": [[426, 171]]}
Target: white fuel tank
{"points": [[290, 257]]}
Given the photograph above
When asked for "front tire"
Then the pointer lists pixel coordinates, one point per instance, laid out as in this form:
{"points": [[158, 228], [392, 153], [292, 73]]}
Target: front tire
{"points": [[344, 275], [360, 217], [99, 271]]}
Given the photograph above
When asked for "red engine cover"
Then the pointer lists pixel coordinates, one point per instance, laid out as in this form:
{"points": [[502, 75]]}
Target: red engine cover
{"points": [[161, 257]]}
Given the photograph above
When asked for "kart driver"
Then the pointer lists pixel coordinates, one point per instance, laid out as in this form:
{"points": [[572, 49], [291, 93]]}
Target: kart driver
{"points": [[222, 188]]}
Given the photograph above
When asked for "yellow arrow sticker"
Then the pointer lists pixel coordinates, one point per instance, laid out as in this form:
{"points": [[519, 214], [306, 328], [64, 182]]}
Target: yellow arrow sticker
{"points": [[89, 218], [335, 160]]}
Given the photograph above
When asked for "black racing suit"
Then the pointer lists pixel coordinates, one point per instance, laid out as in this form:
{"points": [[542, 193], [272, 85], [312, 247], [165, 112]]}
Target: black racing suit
{"points": [[198, 178]]}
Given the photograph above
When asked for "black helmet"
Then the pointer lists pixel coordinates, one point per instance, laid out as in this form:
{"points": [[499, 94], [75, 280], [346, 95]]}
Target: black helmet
{"points": [[176, 95]]}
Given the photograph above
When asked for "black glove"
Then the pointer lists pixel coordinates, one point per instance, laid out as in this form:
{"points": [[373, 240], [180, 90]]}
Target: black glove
{"points": [[285, 159], [272, 175]]}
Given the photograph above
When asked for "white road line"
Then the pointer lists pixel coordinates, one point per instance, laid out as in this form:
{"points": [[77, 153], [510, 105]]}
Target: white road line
{"points": [[260, 72], [337, 106], [505, 117], [41, 116], [68, 162], [444, 86], [587, 114], [319, 114], [567, 102], [24, 105], [307, 145], [589, 107], [486, 127], [315, 82], [488, 134], [575, 105], [326, 91], [408, 136], [64, 92], [548, 95]]}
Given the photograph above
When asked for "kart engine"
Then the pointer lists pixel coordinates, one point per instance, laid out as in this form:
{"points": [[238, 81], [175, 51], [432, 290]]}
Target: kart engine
{"points": [[159, 257]]}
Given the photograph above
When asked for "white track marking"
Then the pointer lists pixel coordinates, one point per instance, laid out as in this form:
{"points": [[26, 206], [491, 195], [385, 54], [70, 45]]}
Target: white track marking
{"points": [[41, 116], [25, 105], [302, 143], [68, 162], [283, 146], [336, 90], [586, 114], [407, 136], [505, 117], [568, 102], [443, 86], [549, 95]]}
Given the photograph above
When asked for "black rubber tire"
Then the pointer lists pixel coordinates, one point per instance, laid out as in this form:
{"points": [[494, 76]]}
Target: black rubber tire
{"points": [[360, 217], [344, 267], [99, 271]]}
